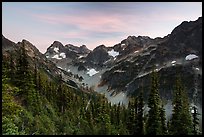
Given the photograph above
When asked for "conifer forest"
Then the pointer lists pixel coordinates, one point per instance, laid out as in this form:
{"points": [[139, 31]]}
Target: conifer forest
{"points": [[33, 103]]}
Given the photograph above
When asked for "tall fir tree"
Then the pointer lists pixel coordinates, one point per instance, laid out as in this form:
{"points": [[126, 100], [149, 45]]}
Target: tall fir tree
{"points": [[5, 71], [154, 120], [12, 69], [131, 118], [181, 122], [163, 120], [195, 120], [24, 79], [140, 119], [118, 114]]}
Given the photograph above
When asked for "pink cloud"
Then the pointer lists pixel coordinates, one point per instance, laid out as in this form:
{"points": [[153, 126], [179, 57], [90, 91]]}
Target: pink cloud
{"points": [[101, 23]]}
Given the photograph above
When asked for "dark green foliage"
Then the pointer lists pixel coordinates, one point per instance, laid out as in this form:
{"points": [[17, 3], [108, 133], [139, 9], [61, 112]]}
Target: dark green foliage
{"points": [[154, 120], [9, 127], [140, 119], [131, 118], [195, 120], [163, 121], [181, 122], [33, 103]]}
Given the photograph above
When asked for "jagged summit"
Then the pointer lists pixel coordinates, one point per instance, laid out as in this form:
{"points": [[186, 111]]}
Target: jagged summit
{"points": [[121, 68]]}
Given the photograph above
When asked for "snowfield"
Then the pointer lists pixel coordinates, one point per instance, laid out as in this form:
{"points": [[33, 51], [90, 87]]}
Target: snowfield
{"points": [[173, 62], [92, 72], [113, 53], [62, 55], [197, 69], [59, 67], [56, 50], [119, 71], [80, 56], [191, 56], [56, 57]]}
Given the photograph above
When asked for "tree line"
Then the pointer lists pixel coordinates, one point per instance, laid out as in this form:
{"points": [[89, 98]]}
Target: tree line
{"points": [[32, 103]]}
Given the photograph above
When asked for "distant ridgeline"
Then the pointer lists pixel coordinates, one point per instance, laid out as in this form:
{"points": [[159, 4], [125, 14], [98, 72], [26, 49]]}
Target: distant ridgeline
{"points": [[57, 93], [35, 103]]}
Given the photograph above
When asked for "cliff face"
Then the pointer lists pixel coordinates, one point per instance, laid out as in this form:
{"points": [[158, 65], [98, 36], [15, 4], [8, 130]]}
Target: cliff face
{"points": [[127, 66]]}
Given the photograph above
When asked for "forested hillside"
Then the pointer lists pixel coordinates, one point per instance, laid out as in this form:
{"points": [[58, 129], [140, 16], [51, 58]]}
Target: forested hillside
{"points": [[33, 103]]}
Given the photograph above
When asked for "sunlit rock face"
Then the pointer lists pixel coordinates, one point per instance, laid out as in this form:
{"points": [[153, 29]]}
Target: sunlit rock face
{"points": [[126, 66]]}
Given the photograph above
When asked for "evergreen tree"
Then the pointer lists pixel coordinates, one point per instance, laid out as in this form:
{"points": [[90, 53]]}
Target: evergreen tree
{"points": [[12, 70], [24, 79], [60, 95], [36, 77], [118, 114], [37, 90], [131, 117], [163, 121], [181, 122], [140, 119], [5, 72], [154, 120], [195, 120], [112, 114]]}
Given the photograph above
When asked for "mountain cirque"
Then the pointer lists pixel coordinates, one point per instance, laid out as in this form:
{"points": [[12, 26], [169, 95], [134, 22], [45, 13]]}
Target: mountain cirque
{"points": [[123, 69], [126, 66]]}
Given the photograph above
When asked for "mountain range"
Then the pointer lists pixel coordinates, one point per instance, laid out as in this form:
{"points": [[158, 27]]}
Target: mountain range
{"points": [[124, 69]]}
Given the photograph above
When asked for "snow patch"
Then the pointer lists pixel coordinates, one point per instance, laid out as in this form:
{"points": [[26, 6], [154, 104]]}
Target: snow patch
{"points": [[92, 72], [59, 67], [191, 56], [80, 56], [173, 62], [47, 56], [48, 70], [197, 68], [113, 53], [119, 71], [62, 55], [192, 108], [56, 56], [56, 50], [136, 51]]}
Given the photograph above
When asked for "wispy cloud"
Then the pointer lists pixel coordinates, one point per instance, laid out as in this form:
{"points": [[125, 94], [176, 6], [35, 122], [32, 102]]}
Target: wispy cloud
{"points": [[94, 23]]}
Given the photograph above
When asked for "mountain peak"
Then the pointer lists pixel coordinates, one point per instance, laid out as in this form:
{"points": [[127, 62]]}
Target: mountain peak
{"points": [[84, 49], [57, 44], [83, 46], [7, 44], [131, 37], [69, 45], [26, 42], [187, 26], [100, 47]]}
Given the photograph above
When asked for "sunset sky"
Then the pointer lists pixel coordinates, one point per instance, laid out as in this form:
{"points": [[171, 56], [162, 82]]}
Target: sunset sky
{"points": [[92, 23]]}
